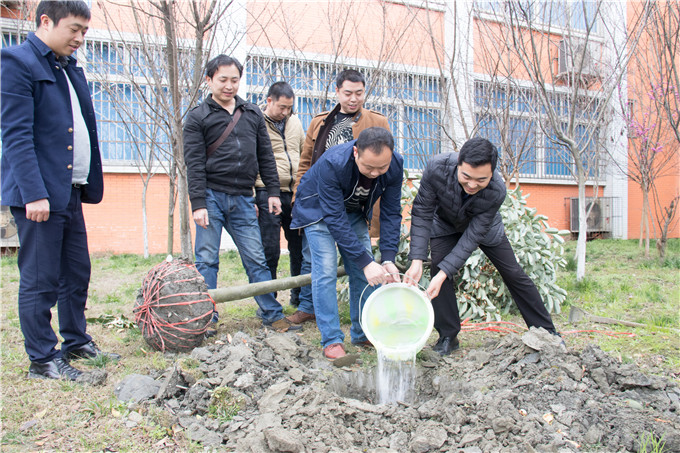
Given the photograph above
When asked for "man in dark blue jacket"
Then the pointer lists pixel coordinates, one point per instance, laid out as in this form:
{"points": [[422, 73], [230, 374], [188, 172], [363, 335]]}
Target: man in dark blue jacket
{"points": [[50, 165], [456, 211], [333, 204]]}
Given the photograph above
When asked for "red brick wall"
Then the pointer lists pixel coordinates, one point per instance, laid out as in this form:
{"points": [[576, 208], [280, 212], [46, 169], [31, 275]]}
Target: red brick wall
{"points": [[115, 224]]}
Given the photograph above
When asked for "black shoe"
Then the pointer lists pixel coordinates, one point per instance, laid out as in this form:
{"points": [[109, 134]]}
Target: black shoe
{"points": [[446, 345], [89, 351], [54, 369]]}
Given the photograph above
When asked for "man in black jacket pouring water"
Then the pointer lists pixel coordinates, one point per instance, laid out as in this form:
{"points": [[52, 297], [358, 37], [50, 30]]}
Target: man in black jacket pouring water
{"points": [[456, 211]]}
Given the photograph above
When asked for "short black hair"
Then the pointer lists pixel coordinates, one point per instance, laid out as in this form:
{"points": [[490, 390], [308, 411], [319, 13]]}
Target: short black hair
{"points": [[222, 60], [478, 151], [375, 139], [57, 10], [279, 89], [349, 74]]}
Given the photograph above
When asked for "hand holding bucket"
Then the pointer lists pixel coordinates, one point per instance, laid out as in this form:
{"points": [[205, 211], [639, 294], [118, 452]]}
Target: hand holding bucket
{"points": [[398, 319]]}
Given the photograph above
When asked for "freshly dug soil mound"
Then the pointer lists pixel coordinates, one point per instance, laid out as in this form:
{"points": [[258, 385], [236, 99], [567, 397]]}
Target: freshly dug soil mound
{"points": [[514, 394], [173, 308]]}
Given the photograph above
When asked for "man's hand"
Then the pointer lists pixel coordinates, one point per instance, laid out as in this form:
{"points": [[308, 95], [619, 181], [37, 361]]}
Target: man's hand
{"points": [[201, 217], [38, 211], [392, 273], [435, 285], [374, 273], [413, 274], [275, 205]]}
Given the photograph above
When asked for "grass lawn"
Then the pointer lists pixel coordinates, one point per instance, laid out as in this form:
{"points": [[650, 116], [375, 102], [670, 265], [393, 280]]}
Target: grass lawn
{"points": [[55, 415]]}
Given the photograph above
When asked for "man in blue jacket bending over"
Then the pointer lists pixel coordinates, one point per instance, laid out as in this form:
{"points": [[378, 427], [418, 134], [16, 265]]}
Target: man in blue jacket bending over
{"points": [[333, 204]]}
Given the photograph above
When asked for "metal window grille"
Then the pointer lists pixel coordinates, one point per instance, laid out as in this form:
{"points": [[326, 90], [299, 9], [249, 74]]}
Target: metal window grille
{"points": [[538, 155], [411, 102]]}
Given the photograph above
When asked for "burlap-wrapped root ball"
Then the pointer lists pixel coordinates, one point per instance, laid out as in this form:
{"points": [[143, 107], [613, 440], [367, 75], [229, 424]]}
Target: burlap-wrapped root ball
{"points": [[173, 308]]}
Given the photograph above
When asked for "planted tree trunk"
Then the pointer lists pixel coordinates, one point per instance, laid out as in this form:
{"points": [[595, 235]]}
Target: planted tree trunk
{"points": [[259, 288]]}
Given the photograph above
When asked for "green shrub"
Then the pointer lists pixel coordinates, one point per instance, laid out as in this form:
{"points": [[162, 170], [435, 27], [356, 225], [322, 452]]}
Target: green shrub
{"points": [[538, 248]]}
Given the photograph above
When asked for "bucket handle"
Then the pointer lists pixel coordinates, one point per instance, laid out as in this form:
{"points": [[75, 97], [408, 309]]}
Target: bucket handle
{"points": [[361, 311]]}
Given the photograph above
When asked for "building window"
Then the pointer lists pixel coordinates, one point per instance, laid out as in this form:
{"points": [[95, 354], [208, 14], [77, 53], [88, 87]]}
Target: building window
{"points": [[567, 14], [505, 117], [118, 78], [411, 102]]}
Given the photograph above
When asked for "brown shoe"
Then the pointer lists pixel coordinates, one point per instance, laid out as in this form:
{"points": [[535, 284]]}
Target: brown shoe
{"points": [[300, 317], [282, 325], [334, 351]]}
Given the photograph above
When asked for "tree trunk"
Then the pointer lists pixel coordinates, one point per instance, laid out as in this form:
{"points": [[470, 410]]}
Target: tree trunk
{"points": [[168, 15], [645, 217], [171, 206], [145, 223], [669, 215], [259, 288], [582, 224], [183, 195]]}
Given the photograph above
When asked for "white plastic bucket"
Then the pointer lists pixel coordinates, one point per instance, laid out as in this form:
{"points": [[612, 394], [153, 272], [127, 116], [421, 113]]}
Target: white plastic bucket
{"points": [[397, 319]]}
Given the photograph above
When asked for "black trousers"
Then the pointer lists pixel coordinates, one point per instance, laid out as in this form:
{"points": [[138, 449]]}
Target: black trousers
{"points": [[54, 268], [270, 229], [522, 289]]}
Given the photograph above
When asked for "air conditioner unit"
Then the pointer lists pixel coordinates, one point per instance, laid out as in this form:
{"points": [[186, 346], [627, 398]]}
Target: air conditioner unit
{"points": [[599, 212], [571, 53]]}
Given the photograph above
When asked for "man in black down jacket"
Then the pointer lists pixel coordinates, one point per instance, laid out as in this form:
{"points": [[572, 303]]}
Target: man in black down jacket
{"points": [[221, 181], [456, 211]]}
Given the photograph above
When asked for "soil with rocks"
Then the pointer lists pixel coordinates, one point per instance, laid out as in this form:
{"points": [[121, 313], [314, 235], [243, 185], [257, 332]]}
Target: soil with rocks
{"points": [[275, 393]]}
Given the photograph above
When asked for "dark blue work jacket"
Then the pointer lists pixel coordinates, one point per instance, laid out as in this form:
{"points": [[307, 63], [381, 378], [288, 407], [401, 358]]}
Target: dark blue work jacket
{"points": [[37, 127], [332, 180]]}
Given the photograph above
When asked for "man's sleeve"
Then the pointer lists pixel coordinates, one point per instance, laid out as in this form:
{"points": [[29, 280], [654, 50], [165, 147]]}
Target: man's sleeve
{"points": [[476, 230], [335, 216], [266, 160], [390, 213], [305, 155], [195, 157], [17, 115], [384, 123], [422, 213]]}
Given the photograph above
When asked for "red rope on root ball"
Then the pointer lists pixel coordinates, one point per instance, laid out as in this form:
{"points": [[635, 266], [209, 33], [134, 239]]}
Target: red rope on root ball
{"points": [[174, 309]]}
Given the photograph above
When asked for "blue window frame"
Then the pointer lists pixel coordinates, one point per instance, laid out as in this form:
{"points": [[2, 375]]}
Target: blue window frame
{"points": [[578, 15], [558, 159]]}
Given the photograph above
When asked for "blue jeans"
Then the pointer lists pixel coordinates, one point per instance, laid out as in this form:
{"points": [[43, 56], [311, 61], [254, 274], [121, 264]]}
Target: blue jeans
{"points": [[305, 299], [324, 261], [236, 213]]}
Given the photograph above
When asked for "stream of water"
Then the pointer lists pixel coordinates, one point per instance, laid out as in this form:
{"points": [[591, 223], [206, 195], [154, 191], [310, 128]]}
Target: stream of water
{"points": [[396, 378]]}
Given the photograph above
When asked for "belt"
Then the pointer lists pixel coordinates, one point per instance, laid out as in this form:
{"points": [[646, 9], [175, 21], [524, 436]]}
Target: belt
{"points": [[77, 186]]}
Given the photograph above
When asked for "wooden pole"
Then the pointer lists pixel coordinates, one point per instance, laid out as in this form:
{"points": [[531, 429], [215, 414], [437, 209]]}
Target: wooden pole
{"points": [[259, 288]]}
